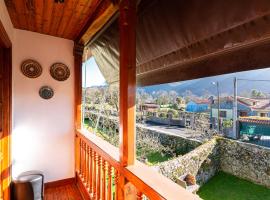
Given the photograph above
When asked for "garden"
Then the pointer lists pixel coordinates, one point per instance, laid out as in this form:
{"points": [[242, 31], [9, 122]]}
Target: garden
{"points": [[207, 161], [224, 186]]}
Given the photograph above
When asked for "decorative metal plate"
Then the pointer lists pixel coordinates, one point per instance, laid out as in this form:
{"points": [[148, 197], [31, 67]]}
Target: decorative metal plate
{"points": [[46, 92], [31, 68], [60, 71]]}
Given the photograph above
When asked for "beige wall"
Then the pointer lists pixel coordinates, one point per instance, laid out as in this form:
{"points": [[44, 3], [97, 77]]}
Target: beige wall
{"points": [[43, 130]]}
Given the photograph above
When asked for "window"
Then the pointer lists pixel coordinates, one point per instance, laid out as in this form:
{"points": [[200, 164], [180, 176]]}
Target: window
{"points": [[263, 114], [223, 114], [243, 114]]}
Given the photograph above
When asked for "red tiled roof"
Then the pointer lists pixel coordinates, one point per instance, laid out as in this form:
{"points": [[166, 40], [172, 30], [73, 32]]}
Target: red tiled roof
{"points": [[257, 121]]}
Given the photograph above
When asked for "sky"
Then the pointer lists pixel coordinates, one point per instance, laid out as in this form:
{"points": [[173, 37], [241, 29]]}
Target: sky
{"points": [[93, 75]]}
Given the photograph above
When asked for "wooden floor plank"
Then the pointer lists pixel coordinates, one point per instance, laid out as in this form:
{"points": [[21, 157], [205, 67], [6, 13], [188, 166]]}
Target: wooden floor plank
{"points": [[66, 192]]}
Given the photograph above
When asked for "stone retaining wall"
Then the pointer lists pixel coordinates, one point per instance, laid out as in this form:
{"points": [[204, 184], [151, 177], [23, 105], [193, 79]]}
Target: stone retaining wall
{"points": [[245, 161], [179, 145], [202, 162]]}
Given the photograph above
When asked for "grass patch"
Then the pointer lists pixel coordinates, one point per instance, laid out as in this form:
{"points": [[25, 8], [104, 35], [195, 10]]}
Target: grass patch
{"points": [[152, 157], [224, 186], [157, 157]]}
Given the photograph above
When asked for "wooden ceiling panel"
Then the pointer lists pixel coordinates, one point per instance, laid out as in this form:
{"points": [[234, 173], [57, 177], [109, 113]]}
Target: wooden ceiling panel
{"points": [[70, 20]]}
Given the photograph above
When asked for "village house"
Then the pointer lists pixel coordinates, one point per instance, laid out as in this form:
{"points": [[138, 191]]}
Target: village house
{"points": [[198, 105], [246, 107]]}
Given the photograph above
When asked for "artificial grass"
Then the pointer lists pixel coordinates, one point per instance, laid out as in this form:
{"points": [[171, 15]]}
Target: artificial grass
{"points": [[224, 186]]}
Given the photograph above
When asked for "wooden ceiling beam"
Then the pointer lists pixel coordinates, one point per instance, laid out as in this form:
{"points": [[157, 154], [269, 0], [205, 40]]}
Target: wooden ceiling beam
{"points": [[104, 12]]}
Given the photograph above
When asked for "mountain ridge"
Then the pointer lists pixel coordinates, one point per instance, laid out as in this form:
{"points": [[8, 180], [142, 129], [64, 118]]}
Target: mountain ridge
{"points": [[201, 87]]}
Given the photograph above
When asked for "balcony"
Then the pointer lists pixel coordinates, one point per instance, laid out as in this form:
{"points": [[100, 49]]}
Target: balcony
{"points": [[47, 134]]}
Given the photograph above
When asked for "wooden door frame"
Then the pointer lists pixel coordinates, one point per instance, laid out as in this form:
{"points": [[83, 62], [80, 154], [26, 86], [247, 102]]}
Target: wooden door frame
{"points": [[5, 176]]}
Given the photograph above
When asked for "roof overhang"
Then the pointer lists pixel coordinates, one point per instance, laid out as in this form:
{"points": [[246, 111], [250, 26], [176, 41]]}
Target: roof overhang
{"points": [[184, 40]]}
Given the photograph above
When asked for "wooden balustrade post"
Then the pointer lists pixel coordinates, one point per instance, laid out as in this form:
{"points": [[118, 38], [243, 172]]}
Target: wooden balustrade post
{"points": [[104, 180], [99, 175], [91, 172], [80, 147], [88, 166], [109, 190], [95, 175], [127, 29]]}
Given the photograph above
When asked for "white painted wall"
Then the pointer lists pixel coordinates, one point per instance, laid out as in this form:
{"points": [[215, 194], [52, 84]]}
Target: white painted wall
{"points": [[43, 131]]}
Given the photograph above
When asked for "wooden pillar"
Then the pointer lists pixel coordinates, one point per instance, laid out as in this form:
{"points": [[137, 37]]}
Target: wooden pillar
{"points": [[127, 26], [77, 52], [127, 29]]}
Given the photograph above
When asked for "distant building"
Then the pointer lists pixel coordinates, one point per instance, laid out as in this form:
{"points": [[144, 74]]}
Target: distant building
{"points": [[198, 105], [259, 107], [245, 107], [150, 107]]}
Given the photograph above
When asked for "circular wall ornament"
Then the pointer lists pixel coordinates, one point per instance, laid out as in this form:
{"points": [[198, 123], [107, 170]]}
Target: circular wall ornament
{"points": [[46, 92], [60, 71], [31, 68]]}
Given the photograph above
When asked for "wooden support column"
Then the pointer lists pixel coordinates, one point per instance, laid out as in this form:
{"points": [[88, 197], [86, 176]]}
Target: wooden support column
{"points": [[77, 52], [127, 29], [127, 26]]}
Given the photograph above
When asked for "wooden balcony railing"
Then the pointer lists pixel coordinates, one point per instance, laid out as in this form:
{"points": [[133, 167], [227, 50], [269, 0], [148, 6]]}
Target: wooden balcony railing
{"points": [[98, 170]]}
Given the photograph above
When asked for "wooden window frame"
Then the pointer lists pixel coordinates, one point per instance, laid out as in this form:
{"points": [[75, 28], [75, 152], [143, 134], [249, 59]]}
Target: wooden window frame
{"points": [[5, 147]]}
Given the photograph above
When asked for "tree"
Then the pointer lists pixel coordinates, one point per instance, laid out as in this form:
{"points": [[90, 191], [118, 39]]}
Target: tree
{"points": [[257, 94], [173, 97], [188, 95], [162, 97], [113, 97]]}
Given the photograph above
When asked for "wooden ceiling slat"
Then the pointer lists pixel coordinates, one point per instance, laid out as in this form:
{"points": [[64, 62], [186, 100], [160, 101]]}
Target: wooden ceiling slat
{"points": [[39, 9], [69, 20], [20, 9], [48, 9], [74, 19], [65, 17], [70, 16], [12, 12], [57, 17], [88, 10], [29, 8]]}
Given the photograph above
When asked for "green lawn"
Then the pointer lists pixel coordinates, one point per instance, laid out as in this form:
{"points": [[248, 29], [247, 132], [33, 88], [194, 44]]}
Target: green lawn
{"points": [[224, 186], [156, 157]]}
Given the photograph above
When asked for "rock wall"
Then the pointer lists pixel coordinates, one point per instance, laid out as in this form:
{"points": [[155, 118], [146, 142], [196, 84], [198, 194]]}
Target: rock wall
{"points": [[203, 162], [166, 121], [240, 159], [245, 161], [179, 145]]}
